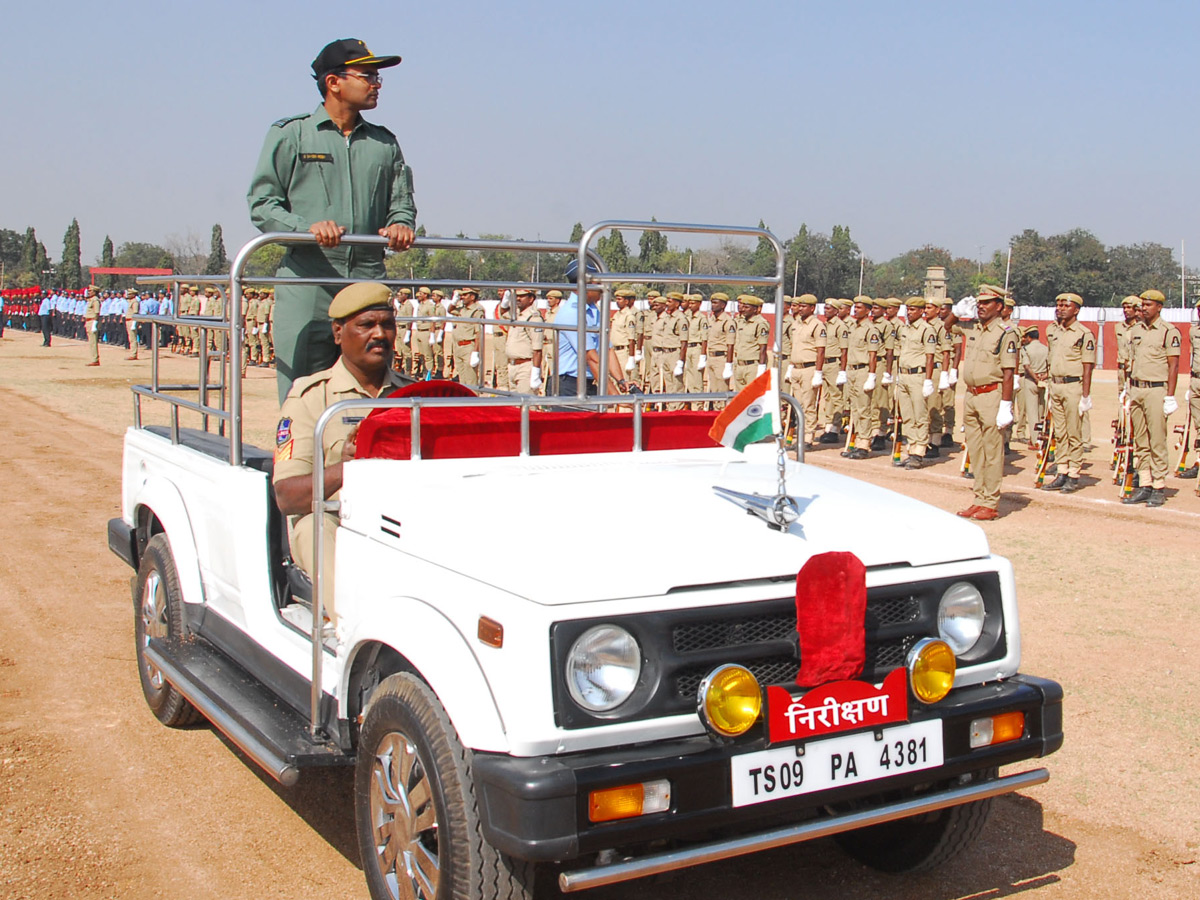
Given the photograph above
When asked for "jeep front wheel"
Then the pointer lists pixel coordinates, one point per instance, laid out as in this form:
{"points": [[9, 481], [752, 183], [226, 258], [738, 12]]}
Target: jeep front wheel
{"points": [[414, 801]]}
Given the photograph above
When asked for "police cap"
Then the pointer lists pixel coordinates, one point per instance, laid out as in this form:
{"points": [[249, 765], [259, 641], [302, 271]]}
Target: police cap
{"points": [[354, 298]]}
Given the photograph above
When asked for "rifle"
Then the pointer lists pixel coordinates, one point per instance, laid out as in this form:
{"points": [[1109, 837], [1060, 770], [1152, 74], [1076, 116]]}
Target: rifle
{"points": [[1122, 442], [1184, 444], [1047, 445], [964, 468], [897, 430]]}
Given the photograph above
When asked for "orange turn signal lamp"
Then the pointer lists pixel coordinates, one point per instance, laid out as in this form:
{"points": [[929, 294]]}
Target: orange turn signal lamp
{"points": [[629, 801], [999, 729], [490, 632]]}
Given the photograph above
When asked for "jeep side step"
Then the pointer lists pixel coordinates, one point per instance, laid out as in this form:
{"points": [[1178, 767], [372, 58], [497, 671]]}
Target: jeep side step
{"points": [[267, 730]]}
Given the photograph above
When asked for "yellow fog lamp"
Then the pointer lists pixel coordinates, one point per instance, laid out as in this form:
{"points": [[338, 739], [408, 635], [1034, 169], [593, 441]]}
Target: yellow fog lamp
{"points": [[931, 668], [729, 700]]}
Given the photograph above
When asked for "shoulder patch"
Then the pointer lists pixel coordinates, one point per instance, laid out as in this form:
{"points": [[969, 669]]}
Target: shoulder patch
{"points": [[283, 433], [279, 123]]}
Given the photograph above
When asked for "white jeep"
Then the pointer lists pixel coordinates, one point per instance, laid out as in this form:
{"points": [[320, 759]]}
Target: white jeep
{"points": [[606, 706]]}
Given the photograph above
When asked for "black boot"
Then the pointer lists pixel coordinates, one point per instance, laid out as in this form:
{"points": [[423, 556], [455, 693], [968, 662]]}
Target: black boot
{"points": [[1188, 473], [947, 441], [1158, 497], [829, 437], [1057, 484], [1139, 495], [932, 452], [878, 442], [1071, 486]]}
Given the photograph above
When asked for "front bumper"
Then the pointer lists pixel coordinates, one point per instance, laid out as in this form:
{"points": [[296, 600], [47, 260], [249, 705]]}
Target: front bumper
{"points": [[537, 808]]}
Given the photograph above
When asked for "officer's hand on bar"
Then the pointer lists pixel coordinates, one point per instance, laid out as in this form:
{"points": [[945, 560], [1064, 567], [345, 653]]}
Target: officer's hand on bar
{"points": [[400, 237], [329, 233]]}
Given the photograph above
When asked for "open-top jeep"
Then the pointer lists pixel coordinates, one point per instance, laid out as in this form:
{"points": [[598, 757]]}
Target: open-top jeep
{"points": [[607, 706]]}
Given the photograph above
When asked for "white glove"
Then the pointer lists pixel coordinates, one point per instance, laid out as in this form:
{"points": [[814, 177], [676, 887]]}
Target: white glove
{"points": [[869, 384], [1085, 403], [1169, 405], [637, 357], [727, 372], [841, 379], [535, 378], [506, 300], [254, 330], [761, 368], [818, 378], [449, 327], [944, 381], [1004, 416], [1187, 396], [678, 368], [630, 363], [790, 370], [953, 378], [474, 358], [927, 387], [454, 299], [887, 378], [703, 361]]}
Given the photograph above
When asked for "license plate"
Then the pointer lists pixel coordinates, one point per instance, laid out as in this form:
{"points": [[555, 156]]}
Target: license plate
{"points": [[835, 762]]}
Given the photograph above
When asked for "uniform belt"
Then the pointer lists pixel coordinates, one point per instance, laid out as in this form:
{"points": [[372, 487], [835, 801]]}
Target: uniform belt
{"points": [[517, 362], [466, 343], [1066, 379], [1147, 384], [1195, 374], [747, 362], [911, 370], [982, 389], [716, 352], [858, 366], [695, 343], [663, 349], [806, 365]]}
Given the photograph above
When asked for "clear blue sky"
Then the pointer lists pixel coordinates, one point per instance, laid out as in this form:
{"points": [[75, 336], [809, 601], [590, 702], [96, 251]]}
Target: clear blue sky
{"points": [[954, 123]]}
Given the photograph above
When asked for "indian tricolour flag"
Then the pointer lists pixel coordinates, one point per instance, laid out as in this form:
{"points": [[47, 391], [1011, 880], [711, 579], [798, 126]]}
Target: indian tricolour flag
{"points": [[750, 416]]}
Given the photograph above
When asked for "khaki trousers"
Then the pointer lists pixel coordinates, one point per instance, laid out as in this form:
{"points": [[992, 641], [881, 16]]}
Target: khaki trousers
{"points": [[92, 326], [422, 352], [860, 405], [131, 334], [743, 374], [936, 405], [833, 396], [302, 552], [1194, 385], [1068, 425], [881, 405], [802, 389], [1032, 409], [985, 443], [693, 375], [463, 369], [519, 374], [914, 412], [1149, 425]]}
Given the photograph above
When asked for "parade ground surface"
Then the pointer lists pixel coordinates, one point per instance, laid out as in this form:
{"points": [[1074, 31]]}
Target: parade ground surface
{"points": [[99, 800]]}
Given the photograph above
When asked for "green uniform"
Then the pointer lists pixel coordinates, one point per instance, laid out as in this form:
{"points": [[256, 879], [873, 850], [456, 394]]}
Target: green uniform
{"points": [[310, 172]]}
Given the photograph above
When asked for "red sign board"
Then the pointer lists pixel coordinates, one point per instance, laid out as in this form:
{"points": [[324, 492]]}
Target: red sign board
{"points": [[837, 706]]}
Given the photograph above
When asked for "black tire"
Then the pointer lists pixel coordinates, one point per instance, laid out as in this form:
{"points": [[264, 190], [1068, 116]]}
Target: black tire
{"points": [[415, 807], [158, 612], [919, 843]]}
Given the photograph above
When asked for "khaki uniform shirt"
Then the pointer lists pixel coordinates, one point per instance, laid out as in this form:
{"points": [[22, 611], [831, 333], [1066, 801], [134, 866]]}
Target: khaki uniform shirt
{"points": [[309, 397], [646, 320], [944, 341], [789, 326], [406, 309], [914, 342], [266, 309], [989, 351], [721, 334], [624, 323], [750, 337], [523, 341], [1151, 347], [1195, 335], [92, 311], [862, 339], [1121, 332], [425, 308], [808, 336], [250, 315], [670, 330], [697, 328], [1069, 349], [465, 331], [887, 339], [1037, 357]]}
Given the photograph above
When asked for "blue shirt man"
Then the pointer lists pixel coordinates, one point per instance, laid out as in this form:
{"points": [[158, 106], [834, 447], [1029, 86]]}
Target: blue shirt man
{"points": [[567, 343]]}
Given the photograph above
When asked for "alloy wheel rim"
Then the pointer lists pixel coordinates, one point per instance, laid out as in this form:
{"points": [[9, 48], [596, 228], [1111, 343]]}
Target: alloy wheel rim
{"points": [[404, 824], [154, 623]]}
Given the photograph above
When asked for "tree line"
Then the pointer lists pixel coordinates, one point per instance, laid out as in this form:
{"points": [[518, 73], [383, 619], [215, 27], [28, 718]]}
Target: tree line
{"points": [[824, 264]]}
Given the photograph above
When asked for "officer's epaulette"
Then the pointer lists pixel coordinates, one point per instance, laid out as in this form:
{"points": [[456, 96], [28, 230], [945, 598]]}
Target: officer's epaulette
{"points": [[279, 123]]}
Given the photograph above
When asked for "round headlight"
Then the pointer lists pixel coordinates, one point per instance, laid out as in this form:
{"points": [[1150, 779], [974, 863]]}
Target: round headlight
{"points": [[603, 668], [729, 700], [931, 668], [960, 617]]}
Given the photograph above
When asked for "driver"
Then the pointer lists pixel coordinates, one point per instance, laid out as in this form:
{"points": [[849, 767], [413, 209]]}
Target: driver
{"points": [[364, 327]]}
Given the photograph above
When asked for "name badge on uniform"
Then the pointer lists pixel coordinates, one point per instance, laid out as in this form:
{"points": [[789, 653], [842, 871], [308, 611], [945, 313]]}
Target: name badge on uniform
{"points": [[316, 157]]}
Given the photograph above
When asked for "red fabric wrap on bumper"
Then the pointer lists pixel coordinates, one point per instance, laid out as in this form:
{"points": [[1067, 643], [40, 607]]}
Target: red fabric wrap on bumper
{"points": [[831, 609]]}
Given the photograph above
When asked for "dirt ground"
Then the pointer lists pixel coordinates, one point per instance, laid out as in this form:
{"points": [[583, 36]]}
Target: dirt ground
{"points": [[98, 800]]}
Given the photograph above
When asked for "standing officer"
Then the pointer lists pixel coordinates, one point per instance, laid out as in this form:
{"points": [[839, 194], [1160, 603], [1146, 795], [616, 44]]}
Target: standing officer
{"points": [[721, 333], [989, 361], [468, 337], [749, 341], [91, 322], [622, 329], [404, 350], [1072, 355], [646, 338], [1154, 369], [1131, 306], [833, 375], [1034, 364], [330, 173], [437, 336], [670, 347], [808, 356], [131, 311], [860, 361], [249, 327], [697, 349], [1193, 398], [916, 346], [524, 345], [266, 323]]}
